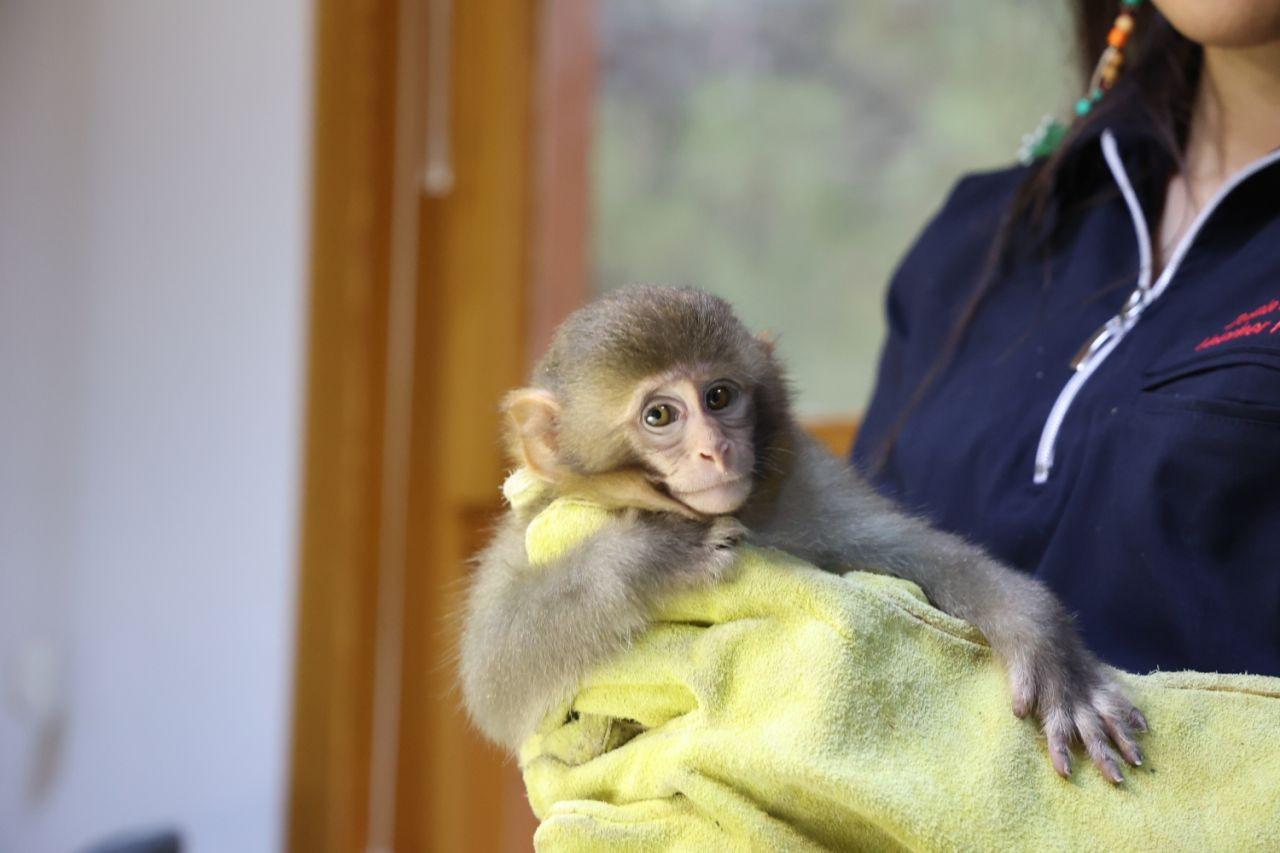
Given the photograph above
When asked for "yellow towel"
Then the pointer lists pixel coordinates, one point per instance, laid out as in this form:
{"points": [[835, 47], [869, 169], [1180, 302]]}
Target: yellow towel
{"points": [[792, 709]]}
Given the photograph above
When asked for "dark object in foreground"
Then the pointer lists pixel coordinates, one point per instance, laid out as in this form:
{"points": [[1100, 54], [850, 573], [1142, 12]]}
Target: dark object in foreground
{"points": [[152, 841]]}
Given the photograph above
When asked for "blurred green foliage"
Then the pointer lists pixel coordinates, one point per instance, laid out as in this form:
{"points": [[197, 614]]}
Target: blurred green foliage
{"points": [[784, 153]]}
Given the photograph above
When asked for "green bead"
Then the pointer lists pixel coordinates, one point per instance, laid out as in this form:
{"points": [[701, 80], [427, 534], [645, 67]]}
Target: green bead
{"points": [[1083, 106], [1042, 141], [1096, 94], [1131, 3]]}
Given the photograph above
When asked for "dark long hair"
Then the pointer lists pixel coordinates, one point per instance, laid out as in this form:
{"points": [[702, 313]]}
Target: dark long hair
{"points": [[1158, 84]]}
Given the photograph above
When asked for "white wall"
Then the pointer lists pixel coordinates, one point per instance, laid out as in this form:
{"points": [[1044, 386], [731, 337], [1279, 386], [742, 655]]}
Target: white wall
{"points": [[153, 213]]}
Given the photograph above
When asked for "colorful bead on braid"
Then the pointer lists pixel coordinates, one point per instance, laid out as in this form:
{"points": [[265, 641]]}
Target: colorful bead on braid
{"points": [[1046, 138]]}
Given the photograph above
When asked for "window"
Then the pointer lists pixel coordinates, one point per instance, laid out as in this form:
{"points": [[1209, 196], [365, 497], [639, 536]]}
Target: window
{"points": [[784, 153]]}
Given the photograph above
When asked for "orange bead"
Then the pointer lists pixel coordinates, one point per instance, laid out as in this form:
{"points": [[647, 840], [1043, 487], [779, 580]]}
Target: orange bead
{"points": [[1117, 37]]}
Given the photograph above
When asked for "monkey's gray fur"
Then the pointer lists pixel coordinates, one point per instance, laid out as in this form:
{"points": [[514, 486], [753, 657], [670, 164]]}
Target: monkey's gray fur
{"points": [[531, 634]]}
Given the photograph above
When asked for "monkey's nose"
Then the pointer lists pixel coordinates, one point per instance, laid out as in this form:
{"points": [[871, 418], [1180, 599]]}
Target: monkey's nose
{"points": [[719, 456]]}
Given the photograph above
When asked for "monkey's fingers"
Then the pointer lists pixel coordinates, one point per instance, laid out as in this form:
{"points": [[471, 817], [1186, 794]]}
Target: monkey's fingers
{"points": [[1121, 720], [1022, 685], [1123, 740], [1137, 722], [1094, 737], [1104, 724], [725, 532], [1059, 732]]}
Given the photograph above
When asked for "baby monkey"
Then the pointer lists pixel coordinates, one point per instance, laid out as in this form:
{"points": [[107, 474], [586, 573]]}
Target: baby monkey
{"points": [[661, 402]]}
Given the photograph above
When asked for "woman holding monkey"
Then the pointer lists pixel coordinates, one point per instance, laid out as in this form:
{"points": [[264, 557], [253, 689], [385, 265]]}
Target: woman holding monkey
{"points": [[1083, 365]]}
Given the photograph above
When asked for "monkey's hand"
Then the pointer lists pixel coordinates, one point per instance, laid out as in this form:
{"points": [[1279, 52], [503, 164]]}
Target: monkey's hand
{"points": [[723, 533], [1074, 697], [708, 555]]}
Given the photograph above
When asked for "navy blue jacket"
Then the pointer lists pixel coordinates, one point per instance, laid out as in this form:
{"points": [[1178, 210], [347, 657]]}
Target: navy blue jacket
{"points": [[1143, 486]]}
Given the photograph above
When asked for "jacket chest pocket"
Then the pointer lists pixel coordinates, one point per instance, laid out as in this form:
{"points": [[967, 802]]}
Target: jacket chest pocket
{"points": [[1242, 383], [1184, 487]]}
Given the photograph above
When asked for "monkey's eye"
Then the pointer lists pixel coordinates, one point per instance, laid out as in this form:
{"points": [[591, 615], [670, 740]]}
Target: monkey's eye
{"points": [[659, 415], [720, 396]]}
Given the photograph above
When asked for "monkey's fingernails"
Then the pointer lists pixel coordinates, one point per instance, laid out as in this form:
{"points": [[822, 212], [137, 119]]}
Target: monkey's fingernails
{"points": [[1138, 721], [1061, 758], [1123, 741], [1129, 750], [1110, 771]]}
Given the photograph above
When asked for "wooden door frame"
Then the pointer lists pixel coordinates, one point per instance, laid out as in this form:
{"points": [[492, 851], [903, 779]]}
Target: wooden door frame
{"points": [[566, 88], [349, 258]]}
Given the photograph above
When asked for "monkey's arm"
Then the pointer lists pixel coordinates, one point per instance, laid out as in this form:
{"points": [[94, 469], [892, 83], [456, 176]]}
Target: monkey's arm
{"points": [[830, 516], [532, 631]]}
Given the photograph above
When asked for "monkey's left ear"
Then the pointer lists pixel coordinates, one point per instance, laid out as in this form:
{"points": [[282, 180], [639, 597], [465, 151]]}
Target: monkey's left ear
{"points": [[532, 413]]}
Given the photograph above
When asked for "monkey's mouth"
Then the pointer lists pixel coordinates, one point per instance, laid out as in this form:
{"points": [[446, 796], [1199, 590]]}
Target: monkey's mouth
{"points": [[716, 499], [722, 484]]}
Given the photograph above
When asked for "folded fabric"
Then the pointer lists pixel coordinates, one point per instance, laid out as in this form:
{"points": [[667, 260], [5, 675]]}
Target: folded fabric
{"points": [[793, 709]]}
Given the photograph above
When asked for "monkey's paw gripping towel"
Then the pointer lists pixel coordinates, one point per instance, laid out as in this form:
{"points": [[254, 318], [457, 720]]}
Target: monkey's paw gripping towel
{"points": [[790, 709]]}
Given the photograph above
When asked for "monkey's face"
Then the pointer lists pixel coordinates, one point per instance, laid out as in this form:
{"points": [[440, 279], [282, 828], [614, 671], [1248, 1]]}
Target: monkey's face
{"points": [[695, 433]]}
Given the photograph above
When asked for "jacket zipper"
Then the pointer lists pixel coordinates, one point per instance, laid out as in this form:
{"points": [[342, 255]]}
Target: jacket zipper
{"points": [[1104, 341]]}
